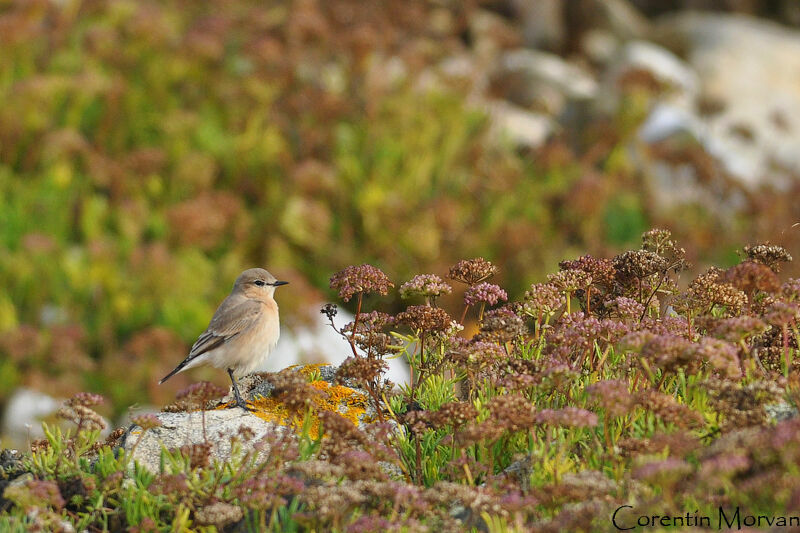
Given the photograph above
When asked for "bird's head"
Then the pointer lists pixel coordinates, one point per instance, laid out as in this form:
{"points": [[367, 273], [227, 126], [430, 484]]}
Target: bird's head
{"points": [[257, 283]]}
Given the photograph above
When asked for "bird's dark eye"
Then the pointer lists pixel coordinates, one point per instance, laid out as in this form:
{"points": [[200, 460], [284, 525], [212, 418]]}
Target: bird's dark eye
{"points": [[260, 282]]}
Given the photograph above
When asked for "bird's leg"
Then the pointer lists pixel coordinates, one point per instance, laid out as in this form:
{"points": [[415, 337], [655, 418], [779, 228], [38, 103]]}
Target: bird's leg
{"points": [[238, 401]]}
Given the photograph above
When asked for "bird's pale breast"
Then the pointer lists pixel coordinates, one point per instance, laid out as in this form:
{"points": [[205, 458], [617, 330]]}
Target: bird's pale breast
{"points": [[246, 352]]}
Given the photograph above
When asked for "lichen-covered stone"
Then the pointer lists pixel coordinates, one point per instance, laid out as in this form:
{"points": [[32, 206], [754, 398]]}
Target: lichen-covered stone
{"points": [[269, 415]]}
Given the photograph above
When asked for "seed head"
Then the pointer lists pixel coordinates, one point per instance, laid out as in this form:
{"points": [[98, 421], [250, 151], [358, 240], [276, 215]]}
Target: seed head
{"points": [[611, 395], [218, 514], [512, 412], [501, 325], [472, 271], [484, 292], [147, 421], [751, 277], [425, 318], [639, 264], [427, 285], [198, 394], [600, 270], [574, 417], [543, 299], [329, 310], [360, 279], [568, 281], [85, 399], [782, 313], [768, 254]]}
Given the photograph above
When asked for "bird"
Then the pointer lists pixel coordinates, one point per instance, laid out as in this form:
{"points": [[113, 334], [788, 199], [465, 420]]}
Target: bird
{"points": [[242, 332]]}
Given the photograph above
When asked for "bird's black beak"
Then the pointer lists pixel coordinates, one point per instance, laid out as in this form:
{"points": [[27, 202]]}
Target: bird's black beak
{"points": [[279, 283]]}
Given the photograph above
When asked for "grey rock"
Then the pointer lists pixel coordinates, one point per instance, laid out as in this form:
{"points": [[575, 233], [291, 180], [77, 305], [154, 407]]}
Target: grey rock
{"points": [[524, 128], [186, 428], [180, 429], [543, 24], [619, 17], [662, 63], [600, 46], [529, 77], [778, 412], [750, 68]]}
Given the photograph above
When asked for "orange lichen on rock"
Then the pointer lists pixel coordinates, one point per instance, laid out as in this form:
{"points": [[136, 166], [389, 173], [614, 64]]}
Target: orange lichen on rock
{"points": [[346, 401]]}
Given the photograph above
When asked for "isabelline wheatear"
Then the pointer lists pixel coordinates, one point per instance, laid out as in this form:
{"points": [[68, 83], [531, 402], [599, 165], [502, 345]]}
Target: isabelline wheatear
{"points": [[243, 331]]}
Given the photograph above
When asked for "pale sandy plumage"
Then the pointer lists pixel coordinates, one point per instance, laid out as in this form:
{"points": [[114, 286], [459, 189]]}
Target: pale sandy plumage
{"points": [[242, 332]]}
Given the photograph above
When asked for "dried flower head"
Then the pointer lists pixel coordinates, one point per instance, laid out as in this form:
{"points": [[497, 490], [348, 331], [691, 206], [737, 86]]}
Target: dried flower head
{"points": [[85, 399], [35, 494], [425, 318], [472, 271], [612, 395], [360, 279], [569, 281], [361, 369], [512, 412], [369, 333], [735, 329], [665, 472], [477, 353], [782, 313], [660, 241], [708, 292], [541, 300], [341, 435], [669, 353], [669, 410], [501, 325], [742, 405], [456, 414], [329, 310], [197, 395], [427, 285], [722, 356], [486, 431], [751, 277], [82, 416], [625, 308], [600, 270], [484, 292], [147, 421], [218, 514], [768, 254], [292, 389], [573, 417], [639, 264], [791, 289]]}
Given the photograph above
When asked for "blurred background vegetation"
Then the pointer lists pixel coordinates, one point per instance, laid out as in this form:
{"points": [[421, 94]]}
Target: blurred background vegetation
{"points": [[150, 151]]}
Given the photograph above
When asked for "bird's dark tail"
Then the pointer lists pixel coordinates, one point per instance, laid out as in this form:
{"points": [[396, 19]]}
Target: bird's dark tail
{"points": [[177, 369]]}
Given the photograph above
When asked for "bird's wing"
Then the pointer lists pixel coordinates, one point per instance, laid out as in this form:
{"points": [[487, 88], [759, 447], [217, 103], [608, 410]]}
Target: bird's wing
{"points": [[227, 322], [232, 317]]}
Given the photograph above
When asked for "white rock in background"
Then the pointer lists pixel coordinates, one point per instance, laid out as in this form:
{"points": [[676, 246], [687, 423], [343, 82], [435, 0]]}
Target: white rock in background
{"points": [[22, 419], [663, 64], [752, 68], [537, 71], [320, 344], [524, 128]]}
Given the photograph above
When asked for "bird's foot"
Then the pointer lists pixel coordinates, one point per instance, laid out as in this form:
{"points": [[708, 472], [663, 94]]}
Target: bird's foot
{"points": [[238, 401], [241, 403]]}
